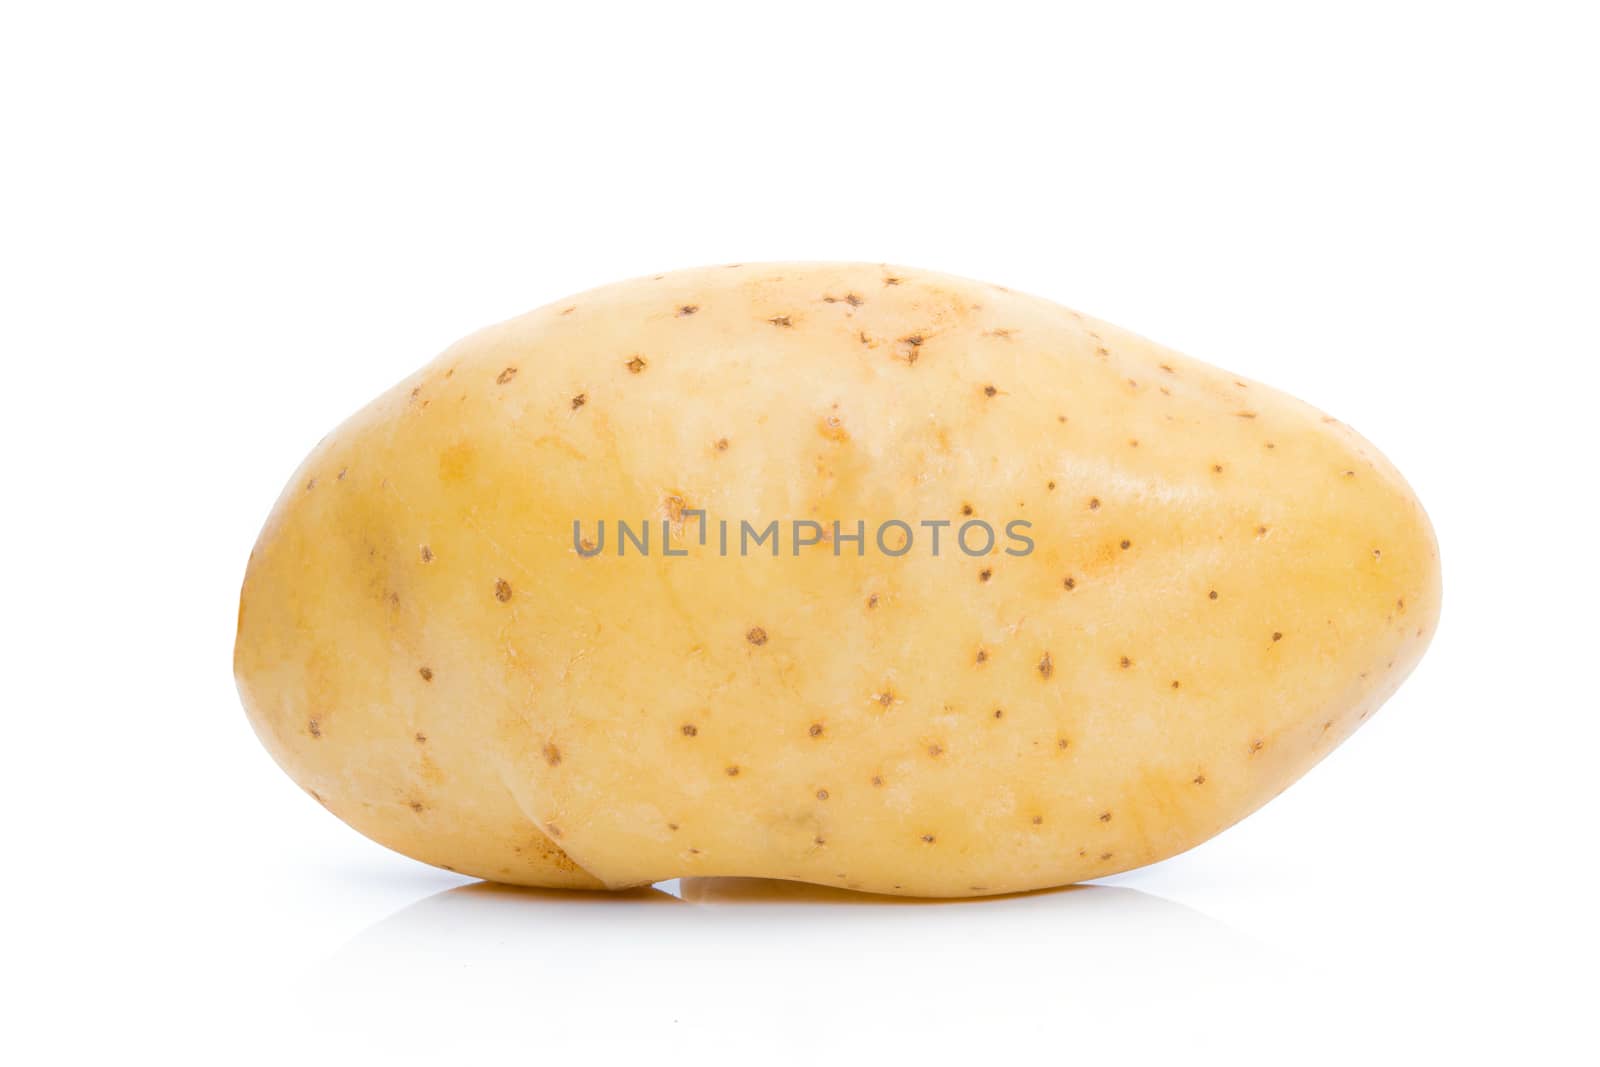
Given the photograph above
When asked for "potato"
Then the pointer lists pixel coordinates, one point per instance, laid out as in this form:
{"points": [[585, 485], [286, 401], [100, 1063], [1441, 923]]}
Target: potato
{"points": [[1196, 588]]}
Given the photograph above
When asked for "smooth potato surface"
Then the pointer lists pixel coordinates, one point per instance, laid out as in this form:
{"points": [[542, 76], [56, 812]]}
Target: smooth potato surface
{"points": [[1224, 584]]}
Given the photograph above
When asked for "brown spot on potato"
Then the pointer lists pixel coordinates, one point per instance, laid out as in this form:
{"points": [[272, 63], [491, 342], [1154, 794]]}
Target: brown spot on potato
{"points": [[1105, 816], [982, 656], [909, 346], [1277, 635], [781, 320], [721, 444], [928, 839], [877, 781], [636, 365], [1212, 595], [1199, 779], [1069, 582], [891, 280], [502, 590], [685, 310], [985, 574], [674, 505], [732, 770], [427, 554], [426, 672], [1126, 662], [1125, 544], [416, 805], [1094, 503], [872, 601], [505, 376], [552, 829], [421, 739], [1038, 820], [756, 636], [314, 727], [999, 713], [552, 755], [990, 390], [579, 400], [1046, 667], [690, 730], [822, 794], [1257, 745], [815, 730]]}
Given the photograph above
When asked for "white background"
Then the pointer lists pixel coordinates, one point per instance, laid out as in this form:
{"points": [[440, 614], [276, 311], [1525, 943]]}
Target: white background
{"points": [[225, 226]]}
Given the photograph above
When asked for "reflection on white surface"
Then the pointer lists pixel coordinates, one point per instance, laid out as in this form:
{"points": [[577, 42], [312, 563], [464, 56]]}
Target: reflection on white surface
{"points": [[748, 960]]}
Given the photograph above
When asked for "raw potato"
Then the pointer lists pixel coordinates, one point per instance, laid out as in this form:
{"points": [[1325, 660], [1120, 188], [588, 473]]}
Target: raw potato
{"points": [[1225, 583]]}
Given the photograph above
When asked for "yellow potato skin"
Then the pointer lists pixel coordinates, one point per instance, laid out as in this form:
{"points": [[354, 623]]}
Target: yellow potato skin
{"points": [[1225, 584]]}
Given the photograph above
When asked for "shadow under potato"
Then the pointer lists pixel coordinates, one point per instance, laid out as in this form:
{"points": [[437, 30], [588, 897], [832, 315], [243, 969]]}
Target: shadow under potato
{"points": [[487, 913], [746, 957]]}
